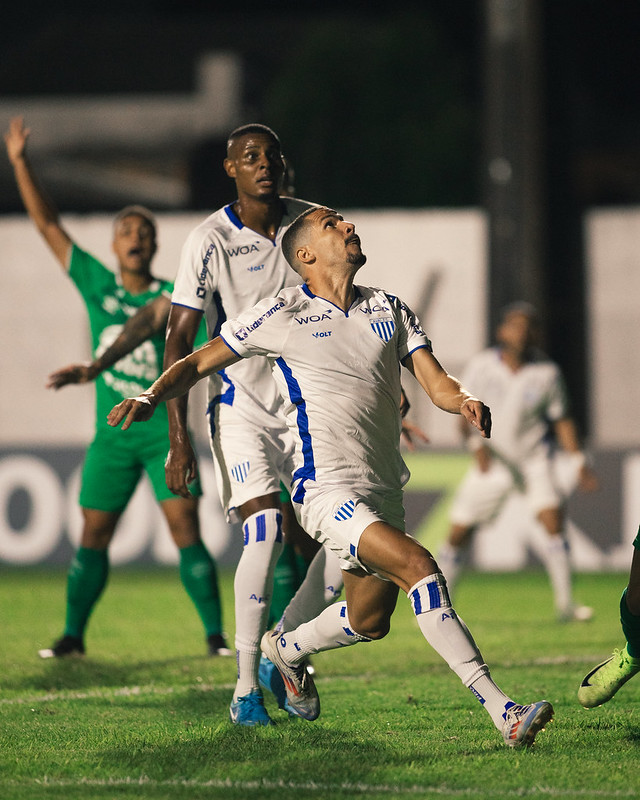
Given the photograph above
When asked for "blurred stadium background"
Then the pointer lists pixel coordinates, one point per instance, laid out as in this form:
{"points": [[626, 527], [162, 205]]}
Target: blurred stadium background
{"points": [[488, 151]]}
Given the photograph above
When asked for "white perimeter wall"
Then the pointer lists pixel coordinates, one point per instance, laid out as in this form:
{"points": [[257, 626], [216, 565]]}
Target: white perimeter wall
{"points": [[434, 260], [613, 290]]}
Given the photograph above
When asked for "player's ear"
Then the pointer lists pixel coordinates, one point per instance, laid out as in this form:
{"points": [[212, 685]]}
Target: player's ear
{"points": [[229, 167], [305, 255]]}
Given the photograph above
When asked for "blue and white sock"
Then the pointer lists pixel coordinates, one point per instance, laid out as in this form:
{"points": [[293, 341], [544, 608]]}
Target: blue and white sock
{"points": [[253, 585], [329, 630], [451, 639]]}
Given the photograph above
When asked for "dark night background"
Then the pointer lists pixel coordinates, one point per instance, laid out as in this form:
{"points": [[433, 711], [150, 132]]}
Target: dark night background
{"points": [[377, 104]]}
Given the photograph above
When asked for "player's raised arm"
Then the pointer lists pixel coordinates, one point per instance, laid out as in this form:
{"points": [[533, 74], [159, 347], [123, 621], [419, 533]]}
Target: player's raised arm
{"points": [[39, 207], [178, 379], [446, 392]]}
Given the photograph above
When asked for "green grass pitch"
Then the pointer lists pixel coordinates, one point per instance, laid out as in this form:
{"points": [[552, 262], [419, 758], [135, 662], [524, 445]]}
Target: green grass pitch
{"points": [[145, 714]]}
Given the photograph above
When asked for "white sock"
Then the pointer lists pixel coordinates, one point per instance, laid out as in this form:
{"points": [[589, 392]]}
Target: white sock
{"points": [[555, 557], [321, 586], [329, 630], [451, 639], [253, 586], [452, 561]]}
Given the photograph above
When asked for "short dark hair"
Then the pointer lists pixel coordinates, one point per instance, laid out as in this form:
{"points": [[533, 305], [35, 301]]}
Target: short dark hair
{"points": [[251, 127], [292, 236], [137, 211], [520, 307]]}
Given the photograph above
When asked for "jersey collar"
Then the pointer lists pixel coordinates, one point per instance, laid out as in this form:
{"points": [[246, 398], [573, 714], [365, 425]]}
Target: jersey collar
{"points": [[357, 296]]}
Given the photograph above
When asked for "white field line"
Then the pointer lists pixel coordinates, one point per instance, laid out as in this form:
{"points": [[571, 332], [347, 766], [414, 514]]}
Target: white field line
{"points": [[123, 691], [325, 788], [138, 691]]}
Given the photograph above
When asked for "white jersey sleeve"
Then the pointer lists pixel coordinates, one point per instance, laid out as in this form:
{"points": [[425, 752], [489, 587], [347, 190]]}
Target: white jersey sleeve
{"points": [[411, 336], [260, 331], [197, 277]]}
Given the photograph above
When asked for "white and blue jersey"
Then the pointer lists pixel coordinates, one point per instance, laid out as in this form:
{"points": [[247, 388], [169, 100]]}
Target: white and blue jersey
{"points": [[225, 268], [339, 375]]}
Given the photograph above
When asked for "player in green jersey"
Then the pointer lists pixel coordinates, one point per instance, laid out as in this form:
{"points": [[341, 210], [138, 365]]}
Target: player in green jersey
{"points": [[114, 466]]}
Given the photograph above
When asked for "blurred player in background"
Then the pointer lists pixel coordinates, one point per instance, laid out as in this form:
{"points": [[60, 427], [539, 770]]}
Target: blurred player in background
{"points": [[528, 399], [599, 685], [114, 465], [341, 392]]}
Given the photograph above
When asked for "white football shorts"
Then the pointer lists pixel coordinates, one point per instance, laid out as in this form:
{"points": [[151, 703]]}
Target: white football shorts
{"points": [[336, 517], [481, 495], [252, 454]]}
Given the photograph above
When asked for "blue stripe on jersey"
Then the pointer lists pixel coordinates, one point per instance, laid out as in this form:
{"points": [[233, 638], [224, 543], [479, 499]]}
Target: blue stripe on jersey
{"points": [[416, 602], [307, 472], [426, 346], [226, 397], [233, 217], [221, 314]]}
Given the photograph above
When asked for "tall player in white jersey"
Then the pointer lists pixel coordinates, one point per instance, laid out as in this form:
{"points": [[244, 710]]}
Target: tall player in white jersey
{"points": [[529, 401], [335, 349], [230, 261]]}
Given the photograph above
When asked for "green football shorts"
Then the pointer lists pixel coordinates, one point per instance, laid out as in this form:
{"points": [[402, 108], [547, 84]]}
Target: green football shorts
{"points": [[114, 465]]}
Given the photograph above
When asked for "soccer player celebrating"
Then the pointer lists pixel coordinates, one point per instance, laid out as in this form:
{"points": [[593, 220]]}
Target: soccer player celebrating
{"points": [[335, 350], [112, 466]]}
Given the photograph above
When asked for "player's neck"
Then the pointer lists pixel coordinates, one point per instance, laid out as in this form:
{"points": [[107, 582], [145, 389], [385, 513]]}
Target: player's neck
{"points": [[337, 290], [135, 282], [512, 359], [262, 215]]}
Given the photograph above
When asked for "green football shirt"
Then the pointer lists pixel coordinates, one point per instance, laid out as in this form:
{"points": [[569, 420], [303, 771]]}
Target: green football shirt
{"points": [[109, 306]]}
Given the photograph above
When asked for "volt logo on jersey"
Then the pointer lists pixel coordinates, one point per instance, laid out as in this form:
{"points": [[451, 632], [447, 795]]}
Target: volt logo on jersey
{"points": [[240, 471], [384, 328], [321, 334]]}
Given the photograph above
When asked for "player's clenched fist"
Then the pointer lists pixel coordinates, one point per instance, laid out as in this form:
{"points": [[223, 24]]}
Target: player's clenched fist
{"points": [[133, 409]]}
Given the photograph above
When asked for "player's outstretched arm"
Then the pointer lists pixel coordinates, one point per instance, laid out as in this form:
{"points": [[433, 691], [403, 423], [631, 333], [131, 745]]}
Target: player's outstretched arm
{"points": [[146, 322], [38, 206], [178, 379], [446, 392]]}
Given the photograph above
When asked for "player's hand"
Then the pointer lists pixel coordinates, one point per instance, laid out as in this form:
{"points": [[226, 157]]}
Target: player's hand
{"points": [[16, 139], [411, 434], [587, 479], [478, 415], [75, 373], [180, 468], [133, 409]]}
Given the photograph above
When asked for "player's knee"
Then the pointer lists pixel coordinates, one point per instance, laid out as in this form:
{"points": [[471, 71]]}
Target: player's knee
{"points": [[372, 625], [420, 565]]}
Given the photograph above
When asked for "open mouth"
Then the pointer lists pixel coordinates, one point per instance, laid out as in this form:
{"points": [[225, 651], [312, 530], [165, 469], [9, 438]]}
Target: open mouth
{"points": [[135, 251]]}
